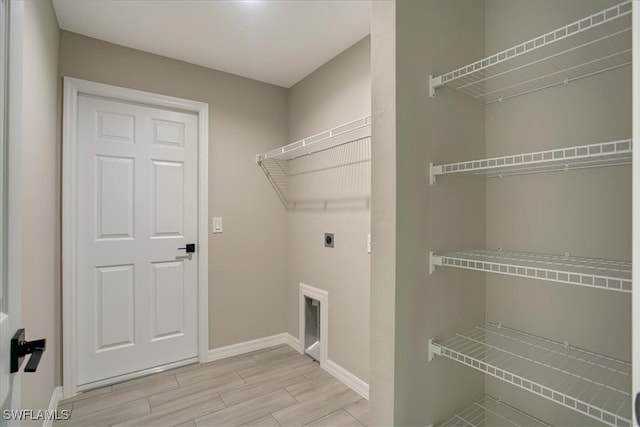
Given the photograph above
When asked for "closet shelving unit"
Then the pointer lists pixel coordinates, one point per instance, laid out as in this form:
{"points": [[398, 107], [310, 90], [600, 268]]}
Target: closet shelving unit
{"points": [[490, 411], [275, 163], [594, 385]]}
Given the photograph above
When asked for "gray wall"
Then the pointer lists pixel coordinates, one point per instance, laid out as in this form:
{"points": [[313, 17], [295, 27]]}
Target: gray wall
{"points": [[336, 93], [383, 213], [586, 212], [430, 38], [247, 263], [41, 198]]}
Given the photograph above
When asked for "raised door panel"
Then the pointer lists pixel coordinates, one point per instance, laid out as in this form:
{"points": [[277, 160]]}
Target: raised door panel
{"points": [[167, 191], [168, 299], [114, 312], [115, 127], [114, 197], [166, 132]]}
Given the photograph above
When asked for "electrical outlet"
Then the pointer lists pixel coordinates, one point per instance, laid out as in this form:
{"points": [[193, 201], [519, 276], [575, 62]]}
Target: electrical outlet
{"points": [[328, 240]]}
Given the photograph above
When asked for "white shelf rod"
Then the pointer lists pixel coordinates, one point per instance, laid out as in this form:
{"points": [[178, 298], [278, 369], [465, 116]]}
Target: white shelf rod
{"points": [[603, 151], [561, 33], [318, 140]]}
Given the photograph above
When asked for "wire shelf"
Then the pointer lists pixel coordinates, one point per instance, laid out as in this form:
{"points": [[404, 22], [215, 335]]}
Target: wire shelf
{"points": [[594, 385], [612, 153], [588, 46], [587, 272], [344, 134], [490, 411], [338, 158]]}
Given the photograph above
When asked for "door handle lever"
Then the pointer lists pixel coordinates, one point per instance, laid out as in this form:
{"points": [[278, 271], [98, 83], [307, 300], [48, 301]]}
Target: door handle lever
{"points": [[638, 408], [21, 347], [189, 247]]}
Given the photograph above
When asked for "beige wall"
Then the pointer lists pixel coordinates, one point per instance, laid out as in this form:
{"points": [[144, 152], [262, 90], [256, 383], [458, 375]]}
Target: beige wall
{"points": [[336, 93], [41, 198], [430, 38], [586, 212], [383, 213], [247, 263]]}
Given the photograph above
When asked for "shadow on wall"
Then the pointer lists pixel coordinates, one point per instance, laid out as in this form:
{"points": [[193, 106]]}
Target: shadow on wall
{"points": [[338, 178]]}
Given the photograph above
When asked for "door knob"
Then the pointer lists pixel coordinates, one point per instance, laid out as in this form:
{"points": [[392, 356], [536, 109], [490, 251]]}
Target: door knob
{"points": [[20, 348], [189, 247]]}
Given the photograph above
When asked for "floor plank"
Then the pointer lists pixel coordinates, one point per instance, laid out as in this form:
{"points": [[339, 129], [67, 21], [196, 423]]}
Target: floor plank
{"points": [[340, 418], [109, 416], [180, 410], [86, 395], [266, 421], [275, 382], [116, 398], [313, 409], [312, 388], [360, 411], [225, 382], [217, 368], [248, 411]]}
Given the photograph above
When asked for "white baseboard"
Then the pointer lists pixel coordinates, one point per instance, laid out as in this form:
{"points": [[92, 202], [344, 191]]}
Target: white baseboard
{"points": [[56, 397], [247, 346], [350, 380], [294, 343]]}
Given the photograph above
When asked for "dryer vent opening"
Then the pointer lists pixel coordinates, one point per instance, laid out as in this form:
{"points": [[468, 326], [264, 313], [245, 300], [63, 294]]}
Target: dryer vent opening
{"points": [[312, 328]]}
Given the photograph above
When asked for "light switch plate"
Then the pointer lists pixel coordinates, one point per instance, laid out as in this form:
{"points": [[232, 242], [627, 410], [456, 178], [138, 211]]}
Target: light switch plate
{"points": [[216, 225], [368, 243]]}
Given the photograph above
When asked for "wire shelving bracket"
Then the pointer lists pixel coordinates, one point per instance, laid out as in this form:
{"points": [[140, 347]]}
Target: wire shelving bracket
{"points": [[587, 272], [588, 46], [611, 153], [490, 411], [594, 385]]}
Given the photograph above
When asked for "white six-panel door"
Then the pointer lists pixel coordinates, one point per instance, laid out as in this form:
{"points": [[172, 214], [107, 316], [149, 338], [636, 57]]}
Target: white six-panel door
{"points": [[137, 205]]}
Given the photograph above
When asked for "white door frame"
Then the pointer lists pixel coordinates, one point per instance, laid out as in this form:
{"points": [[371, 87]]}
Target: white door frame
{"points": [[14, 185], [72, 88], [635, 306]]}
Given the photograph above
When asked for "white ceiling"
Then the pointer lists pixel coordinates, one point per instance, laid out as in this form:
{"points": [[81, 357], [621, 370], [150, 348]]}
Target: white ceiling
{"points": [[274, 41]]}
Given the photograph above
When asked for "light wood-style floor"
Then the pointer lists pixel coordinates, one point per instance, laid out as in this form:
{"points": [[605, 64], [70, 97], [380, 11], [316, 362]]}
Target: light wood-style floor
{"points": [[271, 387]]}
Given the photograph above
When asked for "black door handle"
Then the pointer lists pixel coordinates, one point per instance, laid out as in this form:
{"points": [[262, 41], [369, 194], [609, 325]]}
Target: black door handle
{"points": [[20, 348], [189, 247], [638, 408]]}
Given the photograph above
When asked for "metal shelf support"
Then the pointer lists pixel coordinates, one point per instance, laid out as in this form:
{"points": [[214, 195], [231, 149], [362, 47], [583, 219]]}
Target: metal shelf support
{"points": [[434, 260], [434, 350], [434, 83]]}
